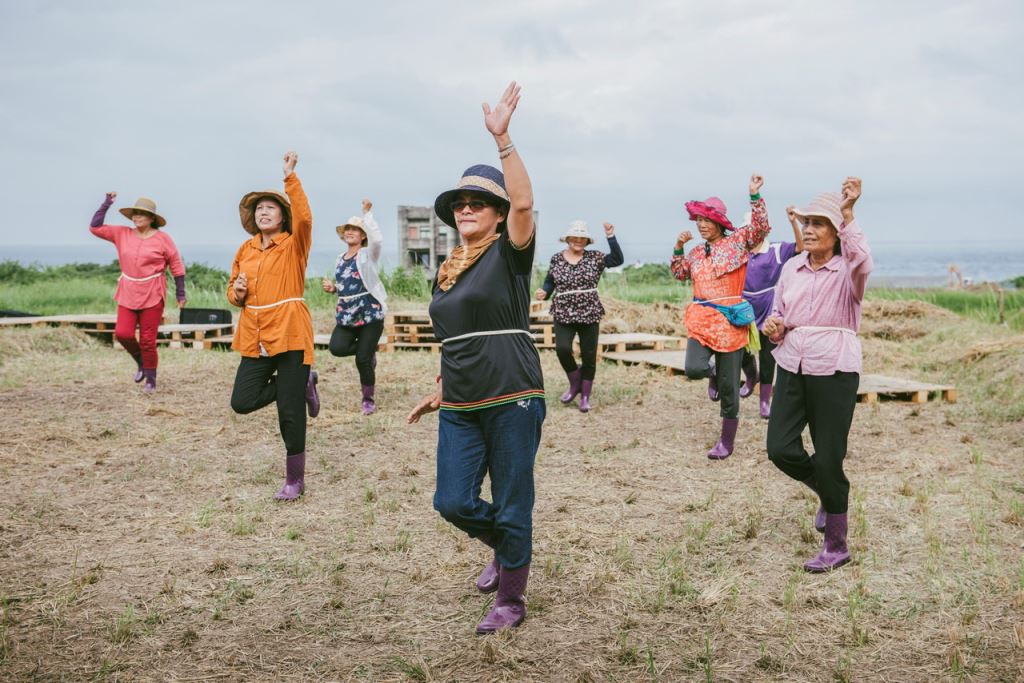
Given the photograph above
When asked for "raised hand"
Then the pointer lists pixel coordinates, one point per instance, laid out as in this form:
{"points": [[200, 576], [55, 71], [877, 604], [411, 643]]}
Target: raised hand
{"points": [[497, 120], [791, 213], [111, 196], [240, 287], [756, 182], [684, 237], [367, 205], [851, 193], [609, 230], [290, 159]]}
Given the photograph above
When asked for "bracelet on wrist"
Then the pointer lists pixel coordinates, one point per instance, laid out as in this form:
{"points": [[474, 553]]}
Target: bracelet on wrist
{"points": [[678, 252], [754, 197], [507, 152]]}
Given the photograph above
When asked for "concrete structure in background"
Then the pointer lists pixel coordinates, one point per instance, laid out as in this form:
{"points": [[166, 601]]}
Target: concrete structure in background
{"points": [[423, 238]]}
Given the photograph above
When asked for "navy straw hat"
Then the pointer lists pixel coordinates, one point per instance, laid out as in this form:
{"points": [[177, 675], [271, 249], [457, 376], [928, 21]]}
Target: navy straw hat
{"points": [[481, 179]]}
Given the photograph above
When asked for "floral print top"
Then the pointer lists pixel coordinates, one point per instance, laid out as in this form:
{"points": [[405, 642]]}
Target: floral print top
{"points": [[564, 282], [356, 306], [719, 277]]}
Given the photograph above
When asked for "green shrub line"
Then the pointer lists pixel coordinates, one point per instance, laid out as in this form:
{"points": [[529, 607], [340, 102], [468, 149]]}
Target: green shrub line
{"points": [[88, 287]]}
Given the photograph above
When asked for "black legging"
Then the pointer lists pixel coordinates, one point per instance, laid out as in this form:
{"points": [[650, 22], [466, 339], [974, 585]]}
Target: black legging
{"points": [[257, 386], [361, 341], [765, 360], [697, 365], [588, 347]]}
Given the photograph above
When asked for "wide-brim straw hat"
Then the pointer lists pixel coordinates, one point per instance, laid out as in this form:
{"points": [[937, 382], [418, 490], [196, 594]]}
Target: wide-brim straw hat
{"points": [[711, 208], [577, 229], [247, 209], [825, 205], [353, 222], [479, 179], [145, 205]]}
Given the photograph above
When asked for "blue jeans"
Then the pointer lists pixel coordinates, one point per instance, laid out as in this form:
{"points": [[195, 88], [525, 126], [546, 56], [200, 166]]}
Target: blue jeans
{"points": [[502, 442]]}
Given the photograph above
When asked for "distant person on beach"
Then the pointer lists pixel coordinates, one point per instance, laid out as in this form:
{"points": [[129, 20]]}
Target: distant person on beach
{"points": [[576, 307], [815, 321], [362, 301], [145, 252], [490, 391], [763, 270], [275, 330], [718, 321]]}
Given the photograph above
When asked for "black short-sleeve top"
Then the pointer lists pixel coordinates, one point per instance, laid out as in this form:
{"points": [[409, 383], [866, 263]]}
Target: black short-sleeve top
{"points": [[485, 370]]}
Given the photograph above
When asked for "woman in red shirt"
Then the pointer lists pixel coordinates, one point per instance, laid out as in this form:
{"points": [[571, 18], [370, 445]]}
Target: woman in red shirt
{"points": [[144, 253]]}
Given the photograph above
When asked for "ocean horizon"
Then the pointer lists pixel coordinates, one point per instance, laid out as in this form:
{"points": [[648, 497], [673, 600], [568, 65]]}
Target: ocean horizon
{"points": [[897, 264]]}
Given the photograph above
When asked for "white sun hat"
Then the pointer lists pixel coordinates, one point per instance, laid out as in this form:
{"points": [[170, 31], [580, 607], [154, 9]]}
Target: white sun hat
{"points": [[577, 229]]}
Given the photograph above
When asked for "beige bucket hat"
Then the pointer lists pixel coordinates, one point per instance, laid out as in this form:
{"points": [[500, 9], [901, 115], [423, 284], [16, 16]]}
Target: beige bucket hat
{"points": [[353, 222], [825, 205], [577, 229], [247, 209], [145, 205]]}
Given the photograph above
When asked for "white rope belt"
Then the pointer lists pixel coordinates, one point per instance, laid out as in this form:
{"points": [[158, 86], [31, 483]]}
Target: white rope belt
{"points": [[142, 279], [354, 296], [760, 291], [487, 333], [821, 328], [276, 303], [721, 298], [575, 291]]}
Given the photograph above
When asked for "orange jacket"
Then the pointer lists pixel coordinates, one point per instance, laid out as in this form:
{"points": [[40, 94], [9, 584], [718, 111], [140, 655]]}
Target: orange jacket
{"points": [[274, 275]]}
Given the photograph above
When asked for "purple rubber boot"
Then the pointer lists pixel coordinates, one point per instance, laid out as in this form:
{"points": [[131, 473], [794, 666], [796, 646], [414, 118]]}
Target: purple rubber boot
{"points": [[312, 395], [139, 374], [574, 386], [585, 389], [369, 407], [509, 607], [487, 582], [294, 477], [750, 372], [766, 400], [834, 554], [723, 449], [712, 381], [149, 374]]}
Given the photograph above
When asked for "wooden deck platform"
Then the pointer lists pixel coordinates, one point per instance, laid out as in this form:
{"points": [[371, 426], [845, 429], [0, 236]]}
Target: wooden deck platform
{"points": [[87, 321], [872, 387], [617, 342]]}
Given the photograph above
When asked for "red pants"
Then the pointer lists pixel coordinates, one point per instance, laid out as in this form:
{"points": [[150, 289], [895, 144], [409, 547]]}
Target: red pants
{"points": [[148, 321]]}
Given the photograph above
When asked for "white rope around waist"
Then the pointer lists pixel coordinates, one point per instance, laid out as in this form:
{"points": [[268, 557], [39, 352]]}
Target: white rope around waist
{"points": [[353, 296], [823, 328], [276, 303], [142, 279], [486, 333], [720, 298], [760, 291], [575, 291]]}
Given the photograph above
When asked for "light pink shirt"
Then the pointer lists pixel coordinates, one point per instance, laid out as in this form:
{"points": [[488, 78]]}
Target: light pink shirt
{"points": [[828, 297], [139, 259]]}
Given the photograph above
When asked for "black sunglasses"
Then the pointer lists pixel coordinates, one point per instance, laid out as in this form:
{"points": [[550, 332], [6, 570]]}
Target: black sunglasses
{"points": [[475, 205]]}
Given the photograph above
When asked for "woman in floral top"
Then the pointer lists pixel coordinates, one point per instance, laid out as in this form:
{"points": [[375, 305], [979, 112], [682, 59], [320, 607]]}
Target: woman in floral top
{"points": [[361, 299], [576, 307], [717, 321]]}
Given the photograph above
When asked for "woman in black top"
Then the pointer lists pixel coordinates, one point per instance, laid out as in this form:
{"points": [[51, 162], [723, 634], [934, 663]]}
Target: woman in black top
{"points": [[490, 391], [576, 307]]}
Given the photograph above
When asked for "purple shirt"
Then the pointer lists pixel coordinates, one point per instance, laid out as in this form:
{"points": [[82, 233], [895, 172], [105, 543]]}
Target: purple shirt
{"points": [[763, 272], [828, 297]]}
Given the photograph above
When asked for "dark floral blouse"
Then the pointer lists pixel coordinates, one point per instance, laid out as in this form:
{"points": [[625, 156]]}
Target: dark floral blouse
{"points": [[575, 300]]}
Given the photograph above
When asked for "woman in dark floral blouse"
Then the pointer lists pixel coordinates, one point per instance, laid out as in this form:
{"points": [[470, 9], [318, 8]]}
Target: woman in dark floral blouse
{"points": [[576, 307]]}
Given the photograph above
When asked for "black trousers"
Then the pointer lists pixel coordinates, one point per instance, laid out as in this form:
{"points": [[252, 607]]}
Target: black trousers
{"points": [[360, 341], [727, 369], [588, 347], [281, 378], [825, 404], [765, 360]]}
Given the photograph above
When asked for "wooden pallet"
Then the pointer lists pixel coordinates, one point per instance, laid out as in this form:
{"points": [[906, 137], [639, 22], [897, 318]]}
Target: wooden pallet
{"points": [[320, 341], [673, 361], [874, 387], [88, 322], [189, 336], [631, 341], [413, 329]]}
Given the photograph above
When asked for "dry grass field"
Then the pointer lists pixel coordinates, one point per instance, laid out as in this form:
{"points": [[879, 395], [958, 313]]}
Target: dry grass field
{"points": [[139, 541]]}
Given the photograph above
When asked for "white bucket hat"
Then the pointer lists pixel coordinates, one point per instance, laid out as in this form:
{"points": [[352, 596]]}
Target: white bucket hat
{"points": [[577, 229]]}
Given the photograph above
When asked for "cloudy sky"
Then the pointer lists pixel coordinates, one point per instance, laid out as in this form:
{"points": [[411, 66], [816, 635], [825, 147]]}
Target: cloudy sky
{"points": [[628, 109]]}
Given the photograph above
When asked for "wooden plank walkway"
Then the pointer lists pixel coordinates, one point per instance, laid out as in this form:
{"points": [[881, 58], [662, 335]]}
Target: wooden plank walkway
{"points": [[871, 389]]}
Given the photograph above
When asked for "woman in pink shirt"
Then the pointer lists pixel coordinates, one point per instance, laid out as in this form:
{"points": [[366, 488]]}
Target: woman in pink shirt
{"points": [[814, 321], [144, 252]]}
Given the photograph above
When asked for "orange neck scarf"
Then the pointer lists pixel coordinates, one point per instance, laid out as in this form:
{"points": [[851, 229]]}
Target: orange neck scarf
{"points": [[459, 261]]}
